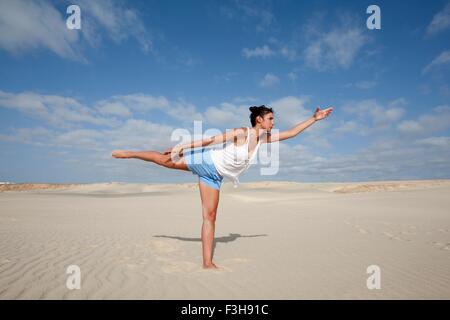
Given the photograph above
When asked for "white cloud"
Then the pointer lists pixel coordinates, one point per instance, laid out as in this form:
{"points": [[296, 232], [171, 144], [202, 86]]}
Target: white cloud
{"points": [[349, 127], [122, 104], [114, 108], [140, 134], [57, 110], [256, 14], [38, 136], [66, 112], [440, 22], [290, 110], [439, 120], [244, 99], [441, 59], [335, 49], [119, 22], [263, 52], [85, 138], [125, 105], [27, 25], [390, 115], [385, 159], [292, 76], [288, 53], [266, 52], [441, 142], [389, 157], [227, 77], [184, 111], [372, 112], [133, 133], [410, 126], [228, 115], [269, 80]]}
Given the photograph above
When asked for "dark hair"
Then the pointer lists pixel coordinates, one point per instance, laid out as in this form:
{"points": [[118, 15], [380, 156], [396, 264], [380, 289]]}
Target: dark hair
{"points": [[258, 111]]}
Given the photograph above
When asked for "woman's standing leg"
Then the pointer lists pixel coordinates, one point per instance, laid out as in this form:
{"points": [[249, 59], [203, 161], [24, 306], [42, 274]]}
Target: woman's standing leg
{"points": [[210, 202]]}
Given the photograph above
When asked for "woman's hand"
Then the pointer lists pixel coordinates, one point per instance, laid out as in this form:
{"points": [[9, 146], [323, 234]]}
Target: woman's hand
{"points": [[322, 114]]}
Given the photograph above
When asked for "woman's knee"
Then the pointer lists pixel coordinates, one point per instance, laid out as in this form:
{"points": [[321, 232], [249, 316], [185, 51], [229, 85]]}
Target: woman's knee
{"points": [[209, 215], [165, 160], [175, 163]]}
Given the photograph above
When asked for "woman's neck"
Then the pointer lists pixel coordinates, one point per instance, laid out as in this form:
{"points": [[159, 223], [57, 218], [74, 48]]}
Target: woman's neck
{"points": [[258, 129]]}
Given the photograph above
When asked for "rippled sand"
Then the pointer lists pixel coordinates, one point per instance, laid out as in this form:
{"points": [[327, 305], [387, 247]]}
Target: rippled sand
{"points": [[274, 240]]}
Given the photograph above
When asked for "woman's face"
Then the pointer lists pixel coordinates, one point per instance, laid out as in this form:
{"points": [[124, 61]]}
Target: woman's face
{"points": [[267, 122]]}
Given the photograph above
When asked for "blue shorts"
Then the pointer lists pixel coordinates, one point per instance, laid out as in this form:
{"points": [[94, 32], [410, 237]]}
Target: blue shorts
{"points": [[201, 164]]}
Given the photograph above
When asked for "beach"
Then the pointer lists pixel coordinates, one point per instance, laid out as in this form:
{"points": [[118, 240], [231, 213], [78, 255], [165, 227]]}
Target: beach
{"points": [[274, 240]]}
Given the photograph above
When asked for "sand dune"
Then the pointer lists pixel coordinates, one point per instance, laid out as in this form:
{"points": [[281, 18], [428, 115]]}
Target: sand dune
{"points": [[274, 240], [338, 187], [32, 186], [391, 186]]}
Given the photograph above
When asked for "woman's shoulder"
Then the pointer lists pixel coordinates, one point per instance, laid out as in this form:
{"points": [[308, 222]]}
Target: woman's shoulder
{"points": [[240, 130], [239, 134]]}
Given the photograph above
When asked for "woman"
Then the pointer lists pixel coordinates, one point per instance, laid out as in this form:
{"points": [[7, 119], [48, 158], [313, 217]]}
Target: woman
{"points": [[213, 165]]}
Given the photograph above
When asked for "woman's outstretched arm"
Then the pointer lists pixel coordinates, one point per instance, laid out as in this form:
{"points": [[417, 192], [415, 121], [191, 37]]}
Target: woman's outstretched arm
{"points": [[283, 135], [220, 138]]}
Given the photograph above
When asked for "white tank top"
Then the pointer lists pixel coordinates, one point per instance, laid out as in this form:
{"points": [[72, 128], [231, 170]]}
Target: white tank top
{"points": [[232, 160]]}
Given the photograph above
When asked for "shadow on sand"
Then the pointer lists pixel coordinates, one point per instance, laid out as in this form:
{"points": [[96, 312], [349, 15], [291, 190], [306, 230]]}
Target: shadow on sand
{"points": [[231, 237]]}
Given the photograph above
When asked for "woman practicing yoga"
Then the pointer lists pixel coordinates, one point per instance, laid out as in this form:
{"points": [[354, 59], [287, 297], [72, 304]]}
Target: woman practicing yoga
{"points": [[212, 165]]}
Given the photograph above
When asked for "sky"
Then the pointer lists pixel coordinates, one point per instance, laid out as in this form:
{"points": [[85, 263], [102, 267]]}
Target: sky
{"points": [[137, 71]]}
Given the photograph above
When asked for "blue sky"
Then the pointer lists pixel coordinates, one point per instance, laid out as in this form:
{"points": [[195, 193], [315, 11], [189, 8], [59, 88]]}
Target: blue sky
{"points": [[138, 70]]}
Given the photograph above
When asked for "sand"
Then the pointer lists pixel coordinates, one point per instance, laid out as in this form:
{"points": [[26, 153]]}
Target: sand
{"points": [[274, 240]]}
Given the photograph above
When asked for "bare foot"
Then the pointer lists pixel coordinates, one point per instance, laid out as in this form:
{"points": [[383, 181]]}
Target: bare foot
{"points": [[120, 154], [210, 266]]}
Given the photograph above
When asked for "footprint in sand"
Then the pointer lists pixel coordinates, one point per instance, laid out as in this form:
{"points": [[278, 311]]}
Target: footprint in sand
{"points": [[412, 230], [394, 237], [357, 227], [361, 230], [161, 246], [164, 253], [236, 261], [181, 267], [124, 259], [172, 267], [441, 245]]}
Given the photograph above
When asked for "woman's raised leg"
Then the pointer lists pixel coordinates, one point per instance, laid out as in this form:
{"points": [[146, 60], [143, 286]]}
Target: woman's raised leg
{"points": [[152, 156], [210, 202]]}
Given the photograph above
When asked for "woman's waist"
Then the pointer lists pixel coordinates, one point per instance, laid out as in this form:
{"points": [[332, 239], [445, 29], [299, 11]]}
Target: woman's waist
{"points": [[229, 170], [227, 158]]}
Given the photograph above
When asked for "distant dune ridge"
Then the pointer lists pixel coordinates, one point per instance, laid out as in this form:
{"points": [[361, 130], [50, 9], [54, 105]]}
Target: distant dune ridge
{"points": [[274, 240], [391, 186], [338, 187], [32, 186]]}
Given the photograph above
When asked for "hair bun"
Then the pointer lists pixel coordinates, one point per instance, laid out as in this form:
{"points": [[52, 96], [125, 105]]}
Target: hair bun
{"points": [[253, 109]]}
